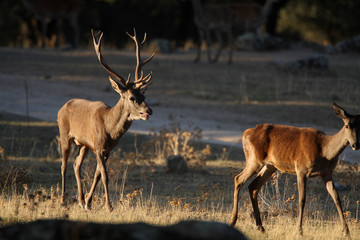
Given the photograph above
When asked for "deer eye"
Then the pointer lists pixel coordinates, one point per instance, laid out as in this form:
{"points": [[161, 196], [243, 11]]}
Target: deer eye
{"points": [[132, 99], [346, 126]]}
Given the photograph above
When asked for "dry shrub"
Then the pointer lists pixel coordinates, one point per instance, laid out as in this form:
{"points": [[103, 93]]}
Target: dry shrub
{"points": [[12, 178], [173, 140]]}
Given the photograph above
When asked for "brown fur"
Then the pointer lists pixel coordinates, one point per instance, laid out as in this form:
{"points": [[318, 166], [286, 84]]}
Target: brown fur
{"points": [[98, 127], [306, 152]]}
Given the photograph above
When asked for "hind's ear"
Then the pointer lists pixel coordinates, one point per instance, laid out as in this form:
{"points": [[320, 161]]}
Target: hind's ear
{"points": [[341, 113]]}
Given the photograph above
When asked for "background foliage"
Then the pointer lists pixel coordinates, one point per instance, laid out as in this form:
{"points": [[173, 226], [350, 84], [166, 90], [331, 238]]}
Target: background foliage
{"points": [[320, 21], [312, 20]]}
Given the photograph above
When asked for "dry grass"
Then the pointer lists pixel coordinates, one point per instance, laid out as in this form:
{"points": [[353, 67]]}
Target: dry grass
{"points": [[161, 199]]}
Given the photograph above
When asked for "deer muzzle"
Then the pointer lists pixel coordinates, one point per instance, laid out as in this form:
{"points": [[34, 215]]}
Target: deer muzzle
{"points": [[146, 116], [355, 146]]}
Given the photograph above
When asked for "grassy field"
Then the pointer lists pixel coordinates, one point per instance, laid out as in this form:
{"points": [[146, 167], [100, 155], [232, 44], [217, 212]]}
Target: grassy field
{"points": [[141, 189]]}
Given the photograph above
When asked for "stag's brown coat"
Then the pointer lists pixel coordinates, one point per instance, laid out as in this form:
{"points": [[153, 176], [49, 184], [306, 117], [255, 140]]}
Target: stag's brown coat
{"points": [[98, 127]]}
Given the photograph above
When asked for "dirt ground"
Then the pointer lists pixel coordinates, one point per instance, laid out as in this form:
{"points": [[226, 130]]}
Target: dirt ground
{"points": [[223, 100]]}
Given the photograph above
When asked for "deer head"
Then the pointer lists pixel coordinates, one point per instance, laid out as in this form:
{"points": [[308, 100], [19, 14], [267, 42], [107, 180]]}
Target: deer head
{"points": [[351, 125], [132, 93]]}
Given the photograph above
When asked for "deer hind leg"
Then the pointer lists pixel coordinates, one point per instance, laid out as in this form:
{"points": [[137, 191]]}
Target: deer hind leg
{"points": [[220, 40], [239, 181], [301, 181], [201, 39], [65, 147], [332, 191], [77, 167], [254, 188], [92, 189]]}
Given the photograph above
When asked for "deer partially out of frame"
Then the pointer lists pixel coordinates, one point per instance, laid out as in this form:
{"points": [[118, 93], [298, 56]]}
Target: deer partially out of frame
{"points": [[306, 152], [45, 10], [98, 127]]}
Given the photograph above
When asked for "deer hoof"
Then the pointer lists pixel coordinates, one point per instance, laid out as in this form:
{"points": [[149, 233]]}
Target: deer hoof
{"points": [[110, 208], [261, 229], [87, 207]]}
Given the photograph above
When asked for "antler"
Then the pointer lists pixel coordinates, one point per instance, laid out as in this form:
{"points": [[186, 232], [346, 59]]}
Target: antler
{"points": [[97, 43], [140, 81]]}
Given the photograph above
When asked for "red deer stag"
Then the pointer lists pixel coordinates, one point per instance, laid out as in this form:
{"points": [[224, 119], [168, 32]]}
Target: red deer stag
{"points": [[98, 127], [306, 152]]}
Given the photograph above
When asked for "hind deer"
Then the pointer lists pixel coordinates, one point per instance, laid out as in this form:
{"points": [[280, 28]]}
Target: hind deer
{"points": [[306, 152], [222, 18], [98, 127], [45, 10]]}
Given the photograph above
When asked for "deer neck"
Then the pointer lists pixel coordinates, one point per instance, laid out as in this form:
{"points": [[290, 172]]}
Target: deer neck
{"points": [[334, 145], [116, 120]]}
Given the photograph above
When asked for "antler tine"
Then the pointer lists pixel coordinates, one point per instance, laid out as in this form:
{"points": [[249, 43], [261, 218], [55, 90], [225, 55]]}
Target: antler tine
{"points": [[128, 80], [143, 41], [97, 44], [138, 73], [145, 80]]}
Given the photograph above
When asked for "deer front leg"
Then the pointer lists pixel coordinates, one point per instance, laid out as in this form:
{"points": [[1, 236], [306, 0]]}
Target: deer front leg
{"points": [[92, 189], [77, 166], [332, 191], [101, 158], [301, 181], [208, 45], [100, 169], [201, 39], [220, 40]]}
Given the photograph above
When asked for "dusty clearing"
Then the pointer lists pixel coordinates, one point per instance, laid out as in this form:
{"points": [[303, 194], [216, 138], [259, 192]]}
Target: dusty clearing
{"points": [[222, 100]]}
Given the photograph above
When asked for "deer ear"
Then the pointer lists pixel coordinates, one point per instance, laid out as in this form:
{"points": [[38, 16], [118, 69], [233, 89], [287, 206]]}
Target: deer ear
{"points": [[116, 86], [341, 113]]}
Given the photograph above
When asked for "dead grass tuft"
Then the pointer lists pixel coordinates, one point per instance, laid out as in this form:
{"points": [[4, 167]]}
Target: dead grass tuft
{"points": [[12, 178]]}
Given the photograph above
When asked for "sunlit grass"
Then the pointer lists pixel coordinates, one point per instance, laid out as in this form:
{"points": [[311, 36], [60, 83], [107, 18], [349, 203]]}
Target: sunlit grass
{"points": [[192, 196], [141, 189]]}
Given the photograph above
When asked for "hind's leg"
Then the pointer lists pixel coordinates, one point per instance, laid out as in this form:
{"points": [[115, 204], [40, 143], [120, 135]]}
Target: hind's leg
{"points": [[239, 181], [333, 193], [254, 188]]}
